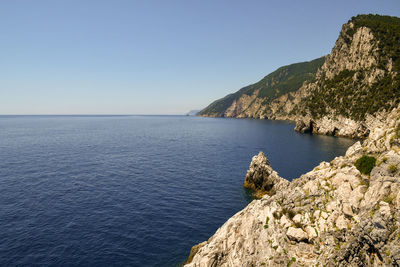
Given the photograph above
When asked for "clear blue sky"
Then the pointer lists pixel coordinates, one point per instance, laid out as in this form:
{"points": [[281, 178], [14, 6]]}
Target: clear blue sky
{"points": [[155, 57]]}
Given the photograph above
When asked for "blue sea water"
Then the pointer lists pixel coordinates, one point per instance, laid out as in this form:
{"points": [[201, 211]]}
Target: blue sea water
{"points": [[132, 190]]}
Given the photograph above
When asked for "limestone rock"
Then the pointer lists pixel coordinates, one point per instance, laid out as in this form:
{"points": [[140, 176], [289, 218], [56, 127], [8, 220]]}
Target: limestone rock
{"points": [[342, 222], [297, 218], [311, 233], [347, 210], [354, 149], [296, 234], [194, 250]]}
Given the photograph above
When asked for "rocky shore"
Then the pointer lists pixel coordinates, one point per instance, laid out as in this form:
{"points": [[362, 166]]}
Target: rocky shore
{"points": [[342, 213]]}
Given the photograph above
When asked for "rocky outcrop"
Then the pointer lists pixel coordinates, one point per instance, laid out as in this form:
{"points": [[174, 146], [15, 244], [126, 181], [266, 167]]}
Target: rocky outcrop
{"points": [[334, 215], [262, 178], [339, 126], [194, 250]]}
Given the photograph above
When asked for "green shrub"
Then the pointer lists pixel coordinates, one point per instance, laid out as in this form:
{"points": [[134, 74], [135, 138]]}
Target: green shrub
{"points": [[389, 199], [298, 225], [292, 260], [393, 168], [277, 215], [288, 212], [266, 225], [365, 164]]}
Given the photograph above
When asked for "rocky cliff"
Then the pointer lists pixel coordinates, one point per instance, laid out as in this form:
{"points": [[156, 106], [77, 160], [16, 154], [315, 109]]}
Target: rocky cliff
{"points": [[357, 82], [343, 213]]}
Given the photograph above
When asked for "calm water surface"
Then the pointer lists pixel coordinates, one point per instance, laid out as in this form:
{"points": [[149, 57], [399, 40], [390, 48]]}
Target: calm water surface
{"points": [[132, 190]]}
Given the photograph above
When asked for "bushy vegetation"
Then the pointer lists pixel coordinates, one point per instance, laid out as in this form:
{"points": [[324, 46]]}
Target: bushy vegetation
{"points": [[288, 79], [292, 260], [393, 168], [348, 98], [285, 79], [365, 164], [328, 95]]}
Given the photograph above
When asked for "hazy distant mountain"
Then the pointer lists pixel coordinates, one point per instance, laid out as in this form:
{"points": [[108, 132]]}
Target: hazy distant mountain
{"points": [[193, 112]]}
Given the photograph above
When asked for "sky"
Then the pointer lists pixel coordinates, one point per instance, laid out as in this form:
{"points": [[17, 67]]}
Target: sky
{"points": [[156, 57]]}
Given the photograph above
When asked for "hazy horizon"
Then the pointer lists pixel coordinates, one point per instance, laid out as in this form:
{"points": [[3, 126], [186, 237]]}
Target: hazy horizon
{"points": [[155, 57]]}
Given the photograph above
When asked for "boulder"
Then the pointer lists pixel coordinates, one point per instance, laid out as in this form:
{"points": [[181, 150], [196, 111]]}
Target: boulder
{"points": [[297, 218], [342, 222], [311, 233], [296, 234], [347, 210]]}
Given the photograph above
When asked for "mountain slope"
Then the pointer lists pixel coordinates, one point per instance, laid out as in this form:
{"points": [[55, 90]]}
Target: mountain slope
{"points": [[252, 100]]}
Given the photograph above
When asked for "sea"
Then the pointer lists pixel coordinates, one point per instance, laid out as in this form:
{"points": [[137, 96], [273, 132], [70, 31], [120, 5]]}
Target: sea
{"points": [[133, 190]]}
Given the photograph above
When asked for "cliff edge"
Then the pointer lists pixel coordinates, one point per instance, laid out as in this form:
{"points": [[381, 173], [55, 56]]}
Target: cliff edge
{"points": [[342, 213]]}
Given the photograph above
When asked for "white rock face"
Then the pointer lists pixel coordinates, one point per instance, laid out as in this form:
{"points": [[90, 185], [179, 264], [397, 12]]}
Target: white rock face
{"points": [[333, 215], [357, 55]]}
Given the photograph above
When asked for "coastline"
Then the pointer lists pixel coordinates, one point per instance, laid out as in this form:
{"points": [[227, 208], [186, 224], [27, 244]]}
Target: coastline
{"points": [[333, 214]]}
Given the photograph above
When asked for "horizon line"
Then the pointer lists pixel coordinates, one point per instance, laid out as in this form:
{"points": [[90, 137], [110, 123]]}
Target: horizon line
{"points": [[89, 114]]}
